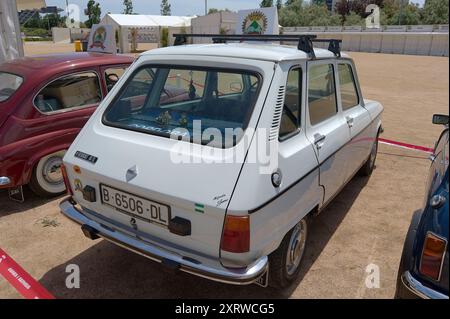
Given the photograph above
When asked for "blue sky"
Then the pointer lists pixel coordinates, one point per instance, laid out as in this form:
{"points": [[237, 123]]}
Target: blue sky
{"points": [[179, 7]]}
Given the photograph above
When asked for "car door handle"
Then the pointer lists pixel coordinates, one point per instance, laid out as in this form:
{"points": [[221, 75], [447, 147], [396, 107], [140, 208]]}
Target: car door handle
{"points": [[350, 121], [319, 139]]}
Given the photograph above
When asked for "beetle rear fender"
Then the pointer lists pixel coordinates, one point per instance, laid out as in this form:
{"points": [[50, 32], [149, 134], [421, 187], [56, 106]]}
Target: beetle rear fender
{"points": [[32, 162]]}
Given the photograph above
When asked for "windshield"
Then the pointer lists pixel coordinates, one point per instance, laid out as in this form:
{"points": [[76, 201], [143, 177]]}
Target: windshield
{"points": [[179, 101], [9, 83]]}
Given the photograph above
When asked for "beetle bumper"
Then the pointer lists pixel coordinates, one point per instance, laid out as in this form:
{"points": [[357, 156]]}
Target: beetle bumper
{"points": [[93, 230]]}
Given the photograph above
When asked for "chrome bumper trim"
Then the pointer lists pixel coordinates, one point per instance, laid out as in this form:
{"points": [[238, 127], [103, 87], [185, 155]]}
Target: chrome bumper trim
{"points": [[244, 276], [419, 289], [4, 180]]}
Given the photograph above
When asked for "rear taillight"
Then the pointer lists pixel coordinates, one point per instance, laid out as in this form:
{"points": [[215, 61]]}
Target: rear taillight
{"points": [[66, 180], [236, 234], [432, 256]]}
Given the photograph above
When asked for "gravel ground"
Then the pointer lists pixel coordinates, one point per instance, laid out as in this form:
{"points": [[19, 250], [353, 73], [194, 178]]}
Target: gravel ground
{"points": [[366, 224]]}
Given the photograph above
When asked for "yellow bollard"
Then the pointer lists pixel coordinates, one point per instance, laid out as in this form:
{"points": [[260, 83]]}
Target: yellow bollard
{"points": [[78, 46]]}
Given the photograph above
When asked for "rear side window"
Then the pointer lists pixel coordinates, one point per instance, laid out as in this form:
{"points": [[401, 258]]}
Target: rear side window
{"points": [[203, 105], [9, 84], [290, 119], [68, 92], [321, 93], [347, 87]]}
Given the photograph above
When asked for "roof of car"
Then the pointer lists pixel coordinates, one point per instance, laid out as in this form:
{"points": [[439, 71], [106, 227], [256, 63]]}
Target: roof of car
{"points": [[69, 60], [267, 52]]}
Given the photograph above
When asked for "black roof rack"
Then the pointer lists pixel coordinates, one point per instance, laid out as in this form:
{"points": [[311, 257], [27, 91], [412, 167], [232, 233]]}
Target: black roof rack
{"points": [[305, 42]]}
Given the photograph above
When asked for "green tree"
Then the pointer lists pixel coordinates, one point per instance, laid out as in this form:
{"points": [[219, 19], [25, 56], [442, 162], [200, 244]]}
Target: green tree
{"points": [[52, 20], [289, 2], [214, 10], [93, 13], [279, 4], [435, 12], [353, 19], [166, 8], [266, 3], [128, 7]]}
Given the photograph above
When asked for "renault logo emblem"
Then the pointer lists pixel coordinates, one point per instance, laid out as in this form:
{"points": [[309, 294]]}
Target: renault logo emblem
{"points": [[131, 173]]}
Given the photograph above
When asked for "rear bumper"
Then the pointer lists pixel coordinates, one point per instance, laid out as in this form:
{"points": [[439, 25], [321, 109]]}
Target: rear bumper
{"points": [[241, 276], [415, 288]]}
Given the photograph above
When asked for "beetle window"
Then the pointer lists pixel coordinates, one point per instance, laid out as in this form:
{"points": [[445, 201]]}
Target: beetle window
{"points": [[112, 75], [347, 87], [186, 102], [321, 93], [9, 84], [71, 91], [290, 119]]}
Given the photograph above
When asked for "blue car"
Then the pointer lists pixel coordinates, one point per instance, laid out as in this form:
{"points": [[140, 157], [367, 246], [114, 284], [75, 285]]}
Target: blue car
{"points": [[423, 271]]}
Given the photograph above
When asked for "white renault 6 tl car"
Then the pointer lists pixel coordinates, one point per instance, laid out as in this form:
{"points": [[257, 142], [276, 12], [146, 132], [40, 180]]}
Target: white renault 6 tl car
{"points": [[211, 158]]}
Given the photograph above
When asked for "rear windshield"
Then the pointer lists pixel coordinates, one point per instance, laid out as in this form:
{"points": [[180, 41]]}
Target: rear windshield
{"points": [[186, 102], [9, 84]]}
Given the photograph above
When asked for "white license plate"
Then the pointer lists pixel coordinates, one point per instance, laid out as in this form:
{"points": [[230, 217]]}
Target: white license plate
{"points": [[135, 206]]}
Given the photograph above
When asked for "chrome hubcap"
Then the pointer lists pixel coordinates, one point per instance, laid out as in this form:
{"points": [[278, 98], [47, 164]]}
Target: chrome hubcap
{"points": [[52, 170], [296, 247]]}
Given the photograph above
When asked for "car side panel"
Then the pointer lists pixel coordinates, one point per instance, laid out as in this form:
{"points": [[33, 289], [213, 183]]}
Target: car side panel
{"points": [[274, 211]]}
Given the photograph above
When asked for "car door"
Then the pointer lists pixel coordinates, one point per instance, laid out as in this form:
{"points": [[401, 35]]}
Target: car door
{"points": [[356, 117], [326, 126]]}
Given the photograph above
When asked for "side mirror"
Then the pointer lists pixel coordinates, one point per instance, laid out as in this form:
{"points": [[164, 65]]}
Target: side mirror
{"points": [[440, 119]]}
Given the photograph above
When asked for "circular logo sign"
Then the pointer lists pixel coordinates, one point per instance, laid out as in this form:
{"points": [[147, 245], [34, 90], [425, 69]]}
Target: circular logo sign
{"points": [[255, 23]]}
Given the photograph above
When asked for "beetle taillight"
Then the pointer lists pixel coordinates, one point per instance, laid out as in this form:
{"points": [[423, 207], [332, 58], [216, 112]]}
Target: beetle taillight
{"points": [[66, 180], [432, 256], [236, 234]]}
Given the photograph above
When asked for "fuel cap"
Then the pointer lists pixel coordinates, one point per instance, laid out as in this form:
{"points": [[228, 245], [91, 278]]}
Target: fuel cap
{"points": [[277, 178]]}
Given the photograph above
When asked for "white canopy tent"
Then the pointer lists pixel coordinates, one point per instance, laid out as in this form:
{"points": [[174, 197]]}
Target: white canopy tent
{"points": [[132, 29]]}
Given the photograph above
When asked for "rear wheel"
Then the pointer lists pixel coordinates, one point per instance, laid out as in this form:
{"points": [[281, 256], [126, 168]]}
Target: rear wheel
{"points": [[368, 167], [47, 179], [284, 263]]}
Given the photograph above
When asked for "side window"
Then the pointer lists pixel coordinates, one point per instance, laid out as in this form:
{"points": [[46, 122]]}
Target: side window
{"points": [[112, 75], [230, 83], [135, 94], [347, 87], [321, 93], [290, 119], [71, 91], [183, 85]]}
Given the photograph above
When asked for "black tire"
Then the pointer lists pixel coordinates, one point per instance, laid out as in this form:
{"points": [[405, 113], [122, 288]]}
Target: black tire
{"points": [[279, 277], [369, 165], [40, 183]]}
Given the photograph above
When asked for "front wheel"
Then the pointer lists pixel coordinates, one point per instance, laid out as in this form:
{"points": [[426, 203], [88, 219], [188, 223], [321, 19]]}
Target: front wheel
{"points": [[47, 179], [284, 263]]}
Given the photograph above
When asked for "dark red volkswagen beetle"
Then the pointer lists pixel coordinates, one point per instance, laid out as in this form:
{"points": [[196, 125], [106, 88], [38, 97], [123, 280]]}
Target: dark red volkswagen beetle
{"points": [[44, 102]]}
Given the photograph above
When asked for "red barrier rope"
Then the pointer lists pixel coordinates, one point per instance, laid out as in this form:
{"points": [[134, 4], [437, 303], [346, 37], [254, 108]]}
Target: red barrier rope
{"points": [[406, 145], [21, 280]]}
